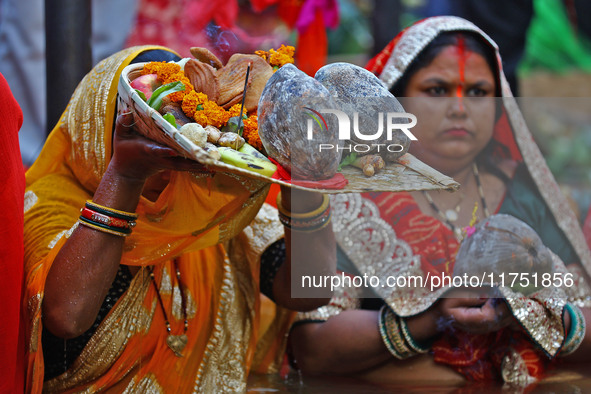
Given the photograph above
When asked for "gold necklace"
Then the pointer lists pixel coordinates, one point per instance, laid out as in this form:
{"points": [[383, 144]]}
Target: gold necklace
{"points": [[456, 230], [176, 343]]}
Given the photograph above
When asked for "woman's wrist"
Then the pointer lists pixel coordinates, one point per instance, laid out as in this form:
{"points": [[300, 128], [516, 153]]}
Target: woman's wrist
{"points": [[397, 337], [423, 327], [297, 201], [118, 191]]}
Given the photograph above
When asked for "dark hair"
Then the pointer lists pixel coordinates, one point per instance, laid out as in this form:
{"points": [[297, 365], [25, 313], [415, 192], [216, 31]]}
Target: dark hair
{"points": [[473, 42], [155, 55]]}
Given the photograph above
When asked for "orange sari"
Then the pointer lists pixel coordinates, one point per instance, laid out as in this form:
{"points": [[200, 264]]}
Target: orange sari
{"points": [[213, 229]]}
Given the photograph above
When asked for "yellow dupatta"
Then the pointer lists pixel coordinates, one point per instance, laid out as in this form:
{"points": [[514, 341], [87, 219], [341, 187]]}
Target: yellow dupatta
{"points": [[188, 223]]}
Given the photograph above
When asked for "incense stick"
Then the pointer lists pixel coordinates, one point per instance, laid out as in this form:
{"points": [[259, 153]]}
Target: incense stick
{"points": [[243, 97]]}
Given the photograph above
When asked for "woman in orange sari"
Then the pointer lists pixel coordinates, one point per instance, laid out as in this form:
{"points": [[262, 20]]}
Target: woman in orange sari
{"points": [[142, 267], [447, 72]]}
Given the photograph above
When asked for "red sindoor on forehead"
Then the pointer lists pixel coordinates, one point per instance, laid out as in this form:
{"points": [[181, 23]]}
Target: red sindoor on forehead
{"points": [[461, 50]]}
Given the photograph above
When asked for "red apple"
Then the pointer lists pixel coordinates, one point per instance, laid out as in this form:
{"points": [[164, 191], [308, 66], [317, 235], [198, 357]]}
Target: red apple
{"points": [[146, 84]]}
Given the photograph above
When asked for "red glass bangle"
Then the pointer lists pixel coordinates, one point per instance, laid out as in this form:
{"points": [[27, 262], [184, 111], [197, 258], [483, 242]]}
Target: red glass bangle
{"points": [[105, 219]]}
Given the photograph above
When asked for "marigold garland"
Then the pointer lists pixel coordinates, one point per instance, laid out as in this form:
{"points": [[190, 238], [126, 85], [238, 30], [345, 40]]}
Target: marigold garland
{"points": [[211, 114], [191, 101], [278, 57], [197, 105], [251, 132]]}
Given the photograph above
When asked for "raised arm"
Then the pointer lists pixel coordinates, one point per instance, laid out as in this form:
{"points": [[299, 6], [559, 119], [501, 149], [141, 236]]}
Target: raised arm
{"points": [[85, 267], [308, 252]]}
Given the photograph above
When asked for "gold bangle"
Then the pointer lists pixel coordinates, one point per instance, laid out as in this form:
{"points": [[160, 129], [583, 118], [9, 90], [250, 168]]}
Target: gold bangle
{"points": [[384, 335], [304, 215], [392, 336], [308, 229]]}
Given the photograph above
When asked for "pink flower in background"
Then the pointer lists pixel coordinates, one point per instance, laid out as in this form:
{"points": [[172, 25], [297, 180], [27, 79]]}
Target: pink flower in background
{"points": [[328, 8], [469, 230]]}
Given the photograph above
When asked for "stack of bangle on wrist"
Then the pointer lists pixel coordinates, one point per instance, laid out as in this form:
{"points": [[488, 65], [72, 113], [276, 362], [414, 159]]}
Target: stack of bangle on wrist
{"points": [[107, 220], [395, 335], [305, 221], [576, 333]]}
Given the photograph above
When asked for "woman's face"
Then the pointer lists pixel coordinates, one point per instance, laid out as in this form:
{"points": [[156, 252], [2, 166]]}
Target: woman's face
{"points": [[452, 99]]}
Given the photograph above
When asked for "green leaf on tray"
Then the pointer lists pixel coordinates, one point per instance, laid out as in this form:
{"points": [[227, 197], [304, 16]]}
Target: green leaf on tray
{"points": [[155, 100], [347, 161]]}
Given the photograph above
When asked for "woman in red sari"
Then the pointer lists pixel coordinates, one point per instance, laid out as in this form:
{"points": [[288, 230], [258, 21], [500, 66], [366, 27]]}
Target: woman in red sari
{"points": [[450, 72]]}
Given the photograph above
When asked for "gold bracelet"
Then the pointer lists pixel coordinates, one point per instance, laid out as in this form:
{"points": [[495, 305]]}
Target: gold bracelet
{"points": [[305, 215], [391, 334], [384, 335]]}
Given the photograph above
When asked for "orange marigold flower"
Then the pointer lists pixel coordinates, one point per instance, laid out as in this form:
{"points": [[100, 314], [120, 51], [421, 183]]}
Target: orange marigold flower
{"points": [[163, 69], [177, 97], [190, 102], [211, 114], [251, 132]]}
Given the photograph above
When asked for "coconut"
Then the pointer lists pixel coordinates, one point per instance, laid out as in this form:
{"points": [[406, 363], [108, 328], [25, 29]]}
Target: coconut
{"points": [[357, 90], [287, 112], [504, 245]]}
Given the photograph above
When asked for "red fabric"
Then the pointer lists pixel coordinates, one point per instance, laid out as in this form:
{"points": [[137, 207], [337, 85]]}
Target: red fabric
{"points": [[477, 357], [337, 182], [182, 24], [12, 179], [378, 62], [261, 5], [312, 46], [289, 11], [504, 135]]}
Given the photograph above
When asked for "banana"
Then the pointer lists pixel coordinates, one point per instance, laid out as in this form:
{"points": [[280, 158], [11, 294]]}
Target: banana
{"points": [[250, 150], [246, 161]]}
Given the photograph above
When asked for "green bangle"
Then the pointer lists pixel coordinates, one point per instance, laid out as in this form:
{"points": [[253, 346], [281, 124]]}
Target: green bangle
{"points": [[385, 336], [392, 336], [409, 339], [576, 333]]}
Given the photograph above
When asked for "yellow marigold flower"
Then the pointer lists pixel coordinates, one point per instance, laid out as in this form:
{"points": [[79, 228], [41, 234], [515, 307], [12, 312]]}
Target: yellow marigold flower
{"points": [[190, 102], [251, 132], [234, 110], [263, 54], [281, 56]]}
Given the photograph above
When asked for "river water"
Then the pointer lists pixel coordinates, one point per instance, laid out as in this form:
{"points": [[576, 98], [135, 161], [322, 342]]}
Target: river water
{"points": [[575, 380]]}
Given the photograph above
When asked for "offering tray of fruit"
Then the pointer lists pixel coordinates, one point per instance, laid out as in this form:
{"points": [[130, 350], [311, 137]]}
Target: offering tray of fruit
{"points": [[224, 146]]}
